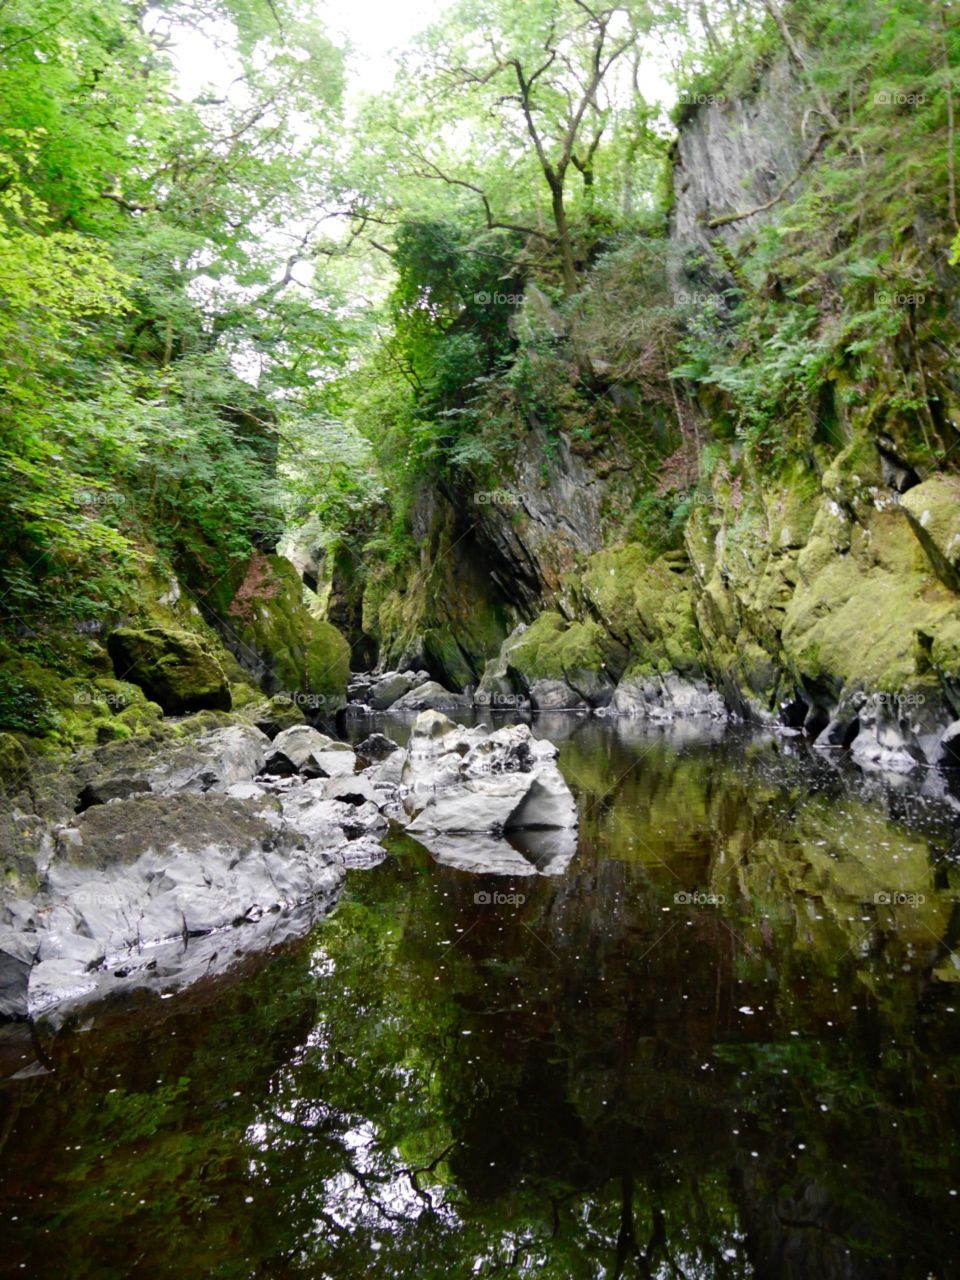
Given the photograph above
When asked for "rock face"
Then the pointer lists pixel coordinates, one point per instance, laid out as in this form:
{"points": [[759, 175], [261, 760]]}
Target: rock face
{"points": [[275, 637], [173, 667], [734, 155], [820, 590]]}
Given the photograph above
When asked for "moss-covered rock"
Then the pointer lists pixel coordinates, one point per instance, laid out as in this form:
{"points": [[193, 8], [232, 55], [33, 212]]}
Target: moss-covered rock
{"points": [[562, 664], [933, 511], [647, 606], [174, 668], [443, 614], [275, 637]]}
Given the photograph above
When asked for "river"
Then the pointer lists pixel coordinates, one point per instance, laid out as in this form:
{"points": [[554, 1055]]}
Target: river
{"points": [[723, 1043]]}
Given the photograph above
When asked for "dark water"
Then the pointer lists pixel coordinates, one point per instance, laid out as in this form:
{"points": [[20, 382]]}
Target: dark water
{"points": [[601, 1080]]}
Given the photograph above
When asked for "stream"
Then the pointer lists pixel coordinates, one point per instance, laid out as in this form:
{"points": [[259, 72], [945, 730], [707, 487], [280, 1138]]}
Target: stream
{"points": [[723, 1043]]}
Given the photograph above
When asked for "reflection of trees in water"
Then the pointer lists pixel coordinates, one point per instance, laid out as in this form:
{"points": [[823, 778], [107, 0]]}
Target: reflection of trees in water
{"points": [[612, 1111]]}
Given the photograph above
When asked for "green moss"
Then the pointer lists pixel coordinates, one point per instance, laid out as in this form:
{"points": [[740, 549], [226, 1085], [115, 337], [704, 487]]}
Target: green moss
{"points": [[933, 512], [277, 637], [647, 606], [173, 667], [551, 649]]}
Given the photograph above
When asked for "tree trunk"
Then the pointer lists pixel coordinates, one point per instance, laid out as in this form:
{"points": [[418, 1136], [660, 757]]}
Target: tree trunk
{"points": [[951, 122], [567, 264]]}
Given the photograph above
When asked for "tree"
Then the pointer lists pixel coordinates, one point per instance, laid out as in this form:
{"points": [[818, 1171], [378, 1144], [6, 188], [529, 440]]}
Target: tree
{"points": [[537, 81]]}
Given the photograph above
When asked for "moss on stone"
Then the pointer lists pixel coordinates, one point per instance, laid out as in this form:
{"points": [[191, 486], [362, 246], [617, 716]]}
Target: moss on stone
{"points": [[174, 668], [277, 639], [933, 512], [647, 606]]}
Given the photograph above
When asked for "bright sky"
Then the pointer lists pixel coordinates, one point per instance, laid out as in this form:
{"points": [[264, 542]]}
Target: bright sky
{"points": [[373, 29]]}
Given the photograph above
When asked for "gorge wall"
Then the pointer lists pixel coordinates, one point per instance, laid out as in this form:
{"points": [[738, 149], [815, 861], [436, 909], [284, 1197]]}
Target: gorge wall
{"points": [[816, 588]]}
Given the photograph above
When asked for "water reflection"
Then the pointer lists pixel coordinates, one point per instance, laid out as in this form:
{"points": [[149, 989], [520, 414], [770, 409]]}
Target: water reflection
{"points": [[721, 1044]]}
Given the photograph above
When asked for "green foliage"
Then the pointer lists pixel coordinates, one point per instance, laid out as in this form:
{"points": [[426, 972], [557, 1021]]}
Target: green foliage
{"points": [[149, 341]]}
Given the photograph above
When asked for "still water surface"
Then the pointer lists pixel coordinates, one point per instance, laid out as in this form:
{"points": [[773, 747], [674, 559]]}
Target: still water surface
{"points": [[709, 1049]]}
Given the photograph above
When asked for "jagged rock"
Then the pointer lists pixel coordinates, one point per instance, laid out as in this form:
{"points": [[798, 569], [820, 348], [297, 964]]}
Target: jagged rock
{"points": [[174, 668], [511, 749], [667, 697], [377, 746], [303, 749], [215, 761], [310, 812], [434, 697], [499, 804]]}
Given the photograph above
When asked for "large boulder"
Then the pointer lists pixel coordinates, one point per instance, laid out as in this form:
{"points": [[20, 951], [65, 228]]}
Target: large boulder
{"points": [[303, 749], [471, 780], [313, 813], [432, 696], [385, 692], [215, 761], [174, 668], [135, 887]]}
